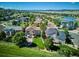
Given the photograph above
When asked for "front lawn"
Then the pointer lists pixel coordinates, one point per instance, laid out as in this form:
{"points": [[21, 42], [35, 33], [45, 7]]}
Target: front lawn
{"points": [[39, 43], [11, 50]]}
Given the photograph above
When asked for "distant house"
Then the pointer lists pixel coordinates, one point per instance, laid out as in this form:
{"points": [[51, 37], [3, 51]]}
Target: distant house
{"points": [[24, 19], [16, 28], [38, 20], [52, 25], [21, 19], [10, 30], [68, 22]]}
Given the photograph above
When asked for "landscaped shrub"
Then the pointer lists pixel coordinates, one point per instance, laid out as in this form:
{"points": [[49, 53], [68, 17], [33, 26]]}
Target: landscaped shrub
{"points": [[76, 24], [48, 43], [8, 39], [77, 53], [19, 39], [22, 42], [68, 51], [38, 41], [2, 35], [68, 37]]}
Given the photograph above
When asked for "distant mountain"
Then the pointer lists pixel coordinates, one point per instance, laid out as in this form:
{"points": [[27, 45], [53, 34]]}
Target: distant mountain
{"points": [[42, 10]]}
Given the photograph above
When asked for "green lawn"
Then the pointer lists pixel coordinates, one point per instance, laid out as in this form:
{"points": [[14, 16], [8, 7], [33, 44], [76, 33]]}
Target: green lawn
{"points": [[39, 42], [10, 49]]}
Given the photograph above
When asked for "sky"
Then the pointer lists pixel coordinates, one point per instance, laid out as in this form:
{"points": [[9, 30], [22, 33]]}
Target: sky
{"points": [[39, 5]]}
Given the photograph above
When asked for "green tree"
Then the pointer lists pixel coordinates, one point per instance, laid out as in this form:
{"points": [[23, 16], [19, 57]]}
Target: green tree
{"points": [[57, 21], [43, 27], [14, 23], [76, 24], [18, 37], [68, 51], [68, 37], [48, 43]]}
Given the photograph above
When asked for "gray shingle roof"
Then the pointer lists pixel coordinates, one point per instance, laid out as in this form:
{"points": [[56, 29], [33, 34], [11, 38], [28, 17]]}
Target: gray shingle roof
{"points": [[14, 27], [51, 31]]}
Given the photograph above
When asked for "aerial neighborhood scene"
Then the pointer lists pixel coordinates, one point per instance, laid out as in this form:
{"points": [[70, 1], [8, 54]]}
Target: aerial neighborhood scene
{"points": [[39, 29]]}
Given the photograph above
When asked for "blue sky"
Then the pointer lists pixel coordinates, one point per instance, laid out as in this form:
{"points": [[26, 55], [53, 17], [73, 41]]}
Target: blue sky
{"points": [[39, 5]]}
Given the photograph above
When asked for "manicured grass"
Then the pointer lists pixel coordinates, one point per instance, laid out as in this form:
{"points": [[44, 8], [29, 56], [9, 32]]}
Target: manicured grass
{"points": [[10, 50], [39, 42]]}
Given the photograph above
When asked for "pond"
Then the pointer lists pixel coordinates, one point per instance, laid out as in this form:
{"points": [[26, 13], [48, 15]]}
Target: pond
{"points": [[68, 19], [68, 22]]}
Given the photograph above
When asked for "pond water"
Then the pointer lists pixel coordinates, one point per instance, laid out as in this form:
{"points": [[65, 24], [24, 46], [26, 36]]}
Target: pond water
{"points": [[68, 19]]}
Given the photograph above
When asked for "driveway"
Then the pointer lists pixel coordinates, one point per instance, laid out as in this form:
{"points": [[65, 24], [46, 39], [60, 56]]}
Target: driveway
{"points": [[75, 37]]}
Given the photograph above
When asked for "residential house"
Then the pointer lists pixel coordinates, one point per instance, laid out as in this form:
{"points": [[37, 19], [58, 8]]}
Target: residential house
{"points": [[57, 36], [24, 19], [61, 36], [68, 22], [31, 32], [52, 31], [11, 30], [17, 28], [21, 19]]}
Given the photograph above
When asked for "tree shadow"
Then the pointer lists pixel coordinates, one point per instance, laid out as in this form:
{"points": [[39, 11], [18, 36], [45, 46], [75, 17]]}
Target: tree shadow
{"points": [[68, 40], [55, 48], [32, 45], [26, 44]]}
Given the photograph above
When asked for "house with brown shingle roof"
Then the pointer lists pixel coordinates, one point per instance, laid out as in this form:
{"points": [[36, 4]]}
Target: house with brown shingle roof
{"points": [[31, 32]]}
